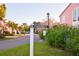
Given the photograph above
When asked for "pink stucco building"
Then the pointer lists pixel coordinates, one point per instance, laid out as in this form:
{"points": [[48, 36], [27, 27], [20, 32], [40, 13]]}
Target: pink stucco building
{"points": [[70, 15]]}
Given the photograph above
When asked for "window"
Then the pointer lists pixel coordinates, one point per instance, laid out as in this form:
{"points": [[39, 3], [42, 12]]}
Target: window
{"points": [[78, 18], [76, 14]]}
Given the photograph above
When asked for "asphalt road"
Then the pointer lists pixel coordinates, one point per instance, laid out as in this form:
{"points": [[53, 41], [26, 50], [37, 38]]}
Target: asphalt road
{"points": [[6, 44]]}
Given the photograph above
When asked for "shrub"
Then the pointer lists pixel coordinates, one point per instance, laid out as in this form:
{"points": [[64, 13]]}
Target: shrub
{"points": [[65, 37], [8, 34], [49, 38], [56, 36], [72, 44], [41, 34], [2, 36]]}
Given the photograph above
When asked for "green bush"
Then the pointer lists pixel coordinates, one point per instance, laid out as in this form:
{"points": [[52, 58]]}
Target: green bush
{"points": [[56, 36], [48, 37], [41, 35], [65, 37], [2, 36], [8, 34], [73, 42]]}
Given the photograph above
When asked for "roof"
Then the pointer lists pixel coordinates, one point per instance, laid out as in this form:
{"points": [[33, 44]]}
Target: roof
{"points": [[65, 9]]}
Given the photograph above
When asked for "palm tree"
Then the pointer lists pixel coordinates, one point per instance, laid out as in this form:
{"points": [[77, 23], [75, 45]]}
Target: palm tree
{"points": [[20, 28], [12, 25], [25, 27], [15, 27]]}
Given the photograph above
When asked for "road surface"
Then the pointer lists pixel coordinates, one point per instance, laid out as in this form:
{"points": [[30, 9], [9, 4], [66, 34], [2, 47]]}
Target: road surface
{"points": [[6, 44]]}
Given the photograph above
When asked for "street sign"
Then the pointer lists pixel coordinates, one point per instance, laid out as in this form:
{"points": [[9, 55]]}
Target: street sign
{"points": [[44, 32]]}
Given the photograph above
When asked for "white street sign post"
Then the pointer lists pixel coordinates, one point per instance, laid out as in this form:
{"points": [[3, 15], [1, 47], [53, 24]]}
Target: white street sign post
{"points": [[31, 40]]}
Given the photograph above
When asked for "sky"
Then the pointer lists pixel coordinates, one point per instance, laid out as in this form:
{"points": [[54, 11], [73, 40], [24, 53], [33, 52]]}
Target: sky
{"points": [[30, 12]]}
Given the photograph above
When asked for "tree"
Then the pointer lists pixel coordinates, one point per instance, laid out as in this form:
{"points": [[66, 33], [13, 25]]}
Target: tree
{"points": [[20, 28], [12, 25], [24, 27], [2, 11]]}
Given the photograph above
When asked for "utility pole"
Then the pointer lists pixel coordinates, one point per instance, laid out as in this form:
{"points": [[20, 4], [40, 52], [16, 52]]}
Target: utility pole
{"points": [[48, 18]]}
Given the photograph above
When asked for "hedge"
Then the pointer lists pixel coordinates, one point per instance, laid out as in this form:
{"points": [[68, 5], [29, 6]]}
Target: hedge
{"points": [[64, 37], [2, 36], [41, 34]]}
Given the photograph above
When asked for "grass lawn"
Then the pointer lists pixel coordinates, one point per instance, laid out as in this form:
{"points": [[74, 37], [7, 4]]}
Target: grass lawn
{"points": [[22, 50], [42, 49]]}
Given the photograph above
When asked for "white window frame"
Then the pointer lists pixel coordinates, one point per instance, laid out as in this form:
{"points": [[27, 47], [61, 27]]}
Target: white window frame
{"points": [[76, 22], [77, 13], [76, 9]]}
